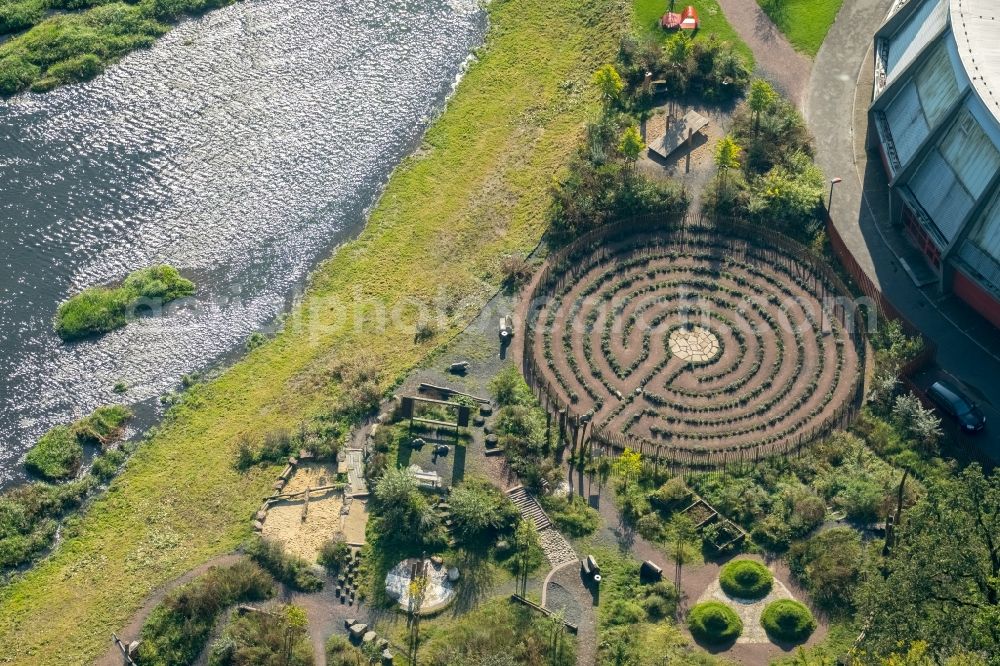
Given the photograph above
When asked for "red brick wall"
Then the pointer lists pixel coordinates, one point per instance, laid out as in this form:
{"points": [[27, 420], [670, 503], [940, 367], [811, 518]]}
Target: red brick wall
{"points": [[981, 300]]}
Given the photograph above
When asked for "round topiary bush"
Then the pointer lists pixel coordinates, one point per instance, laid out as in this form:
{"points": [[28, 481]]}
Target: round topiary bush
{"points": [[746, 579], [715, 623], [788, 621]]}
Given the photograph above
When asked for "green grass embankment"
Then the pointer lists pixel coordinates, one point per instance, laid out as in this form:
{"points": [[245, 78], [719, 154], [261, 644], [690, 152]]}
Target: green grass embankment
{"points": [[646, 16], [804, 22], [101, 309], [477, 190]]}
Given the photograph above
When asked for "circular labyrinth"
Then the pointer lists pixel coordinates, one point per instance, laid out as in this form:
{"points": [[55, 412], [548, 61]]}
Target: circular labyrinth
{"points": [[695, 342]]}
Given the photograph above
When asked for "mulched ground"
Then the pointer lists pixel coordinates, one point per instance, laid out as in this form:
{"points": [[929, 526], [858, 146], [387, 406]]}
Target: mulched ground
{"points": [[602, 342]]}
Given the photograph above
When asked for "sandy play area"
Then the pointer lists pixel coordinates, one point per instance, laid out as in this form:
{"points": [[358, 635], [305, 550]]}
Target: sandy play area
{"points": [[303, 529]]}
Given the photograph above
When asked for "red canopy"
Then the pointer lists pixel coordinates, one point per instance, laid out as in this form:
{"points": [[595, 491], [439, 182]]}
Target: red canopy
{"points": [[689, 19]]}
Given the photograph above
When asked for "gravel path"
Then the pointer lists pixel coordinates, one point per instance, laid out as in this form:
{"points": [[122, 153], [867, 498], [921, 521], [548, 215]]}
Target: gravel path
{"points": [[777, 61]]}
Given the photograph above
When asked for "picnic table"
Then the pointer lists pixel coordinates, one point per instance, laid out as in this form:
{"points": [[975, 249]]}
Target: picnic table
{"points": [[678, 131]]}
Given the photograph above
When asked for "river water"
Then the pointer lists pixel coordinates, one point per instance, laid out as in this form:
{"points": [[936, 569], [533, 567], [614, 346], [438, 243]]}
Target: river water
{"points": [[241, 148]]}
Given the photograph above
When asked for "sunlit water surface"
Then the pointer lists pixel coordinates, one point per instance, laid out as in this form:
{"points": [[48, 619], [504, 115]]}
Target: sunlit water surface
{"points": [[241, 148]]}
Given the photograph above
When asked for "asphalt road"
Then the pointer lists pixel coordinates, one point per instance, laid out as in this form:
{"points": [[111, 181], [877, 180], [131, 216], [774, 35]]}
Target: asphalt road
{"points": [[835, 107]]}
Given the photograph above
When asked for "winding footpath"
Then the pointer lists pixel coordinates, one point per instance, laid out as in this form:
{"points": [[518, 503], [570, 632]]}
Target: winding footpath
{"points": [[777, 60]]}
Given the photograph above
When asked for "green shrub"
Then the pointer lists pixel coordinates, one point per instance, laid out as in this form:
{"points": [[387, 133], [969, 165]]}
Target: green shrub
{"points": [[572, 515], [787, 621], [622, 611], [102, 425], [714, 623], [659, 600], [773, 533], [672, 495], [340, 652], [16, 74], [746, 579], [508, 388], [481, 513], [333, 554], [178, 628], [80, 68], [29, 514], [92, 312], [56, 456], [497, 632], [59, 452], [106, 465], [99, 309], [278, 636], [291, 570], [15, 15], [828, 565]]}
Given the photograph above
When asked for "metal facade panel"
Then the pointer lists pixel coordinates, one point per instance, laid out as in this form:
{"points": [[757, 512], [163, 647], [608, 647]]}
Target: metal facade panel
{"points": [[906, 122], [941, 194], [937, 85], [978, 260], [987, 235], [971, 154], [927, 21]]}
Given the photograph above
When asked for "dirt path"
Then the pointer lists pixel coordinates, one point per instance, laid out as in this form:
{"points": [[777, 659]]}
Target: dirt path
{"points": [[128, 633], [786, 69]]}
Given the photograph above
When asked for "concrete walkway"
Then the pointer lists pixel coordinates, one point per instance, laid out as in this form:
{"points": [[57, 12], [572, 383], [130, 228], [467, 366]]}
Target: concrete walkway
{"points": [[777, 61], [836, 103]]}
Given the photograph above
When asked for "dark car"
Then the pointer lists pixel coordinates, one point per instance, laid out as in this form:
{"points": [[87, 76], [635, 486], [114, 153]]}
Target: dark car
{"points": [[953, 402]]}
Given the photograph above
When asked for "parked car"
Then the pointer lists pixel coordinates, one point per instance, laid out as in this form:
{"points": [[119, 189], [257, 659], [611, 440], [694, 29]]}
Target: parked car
{"points": [[955, 404]]}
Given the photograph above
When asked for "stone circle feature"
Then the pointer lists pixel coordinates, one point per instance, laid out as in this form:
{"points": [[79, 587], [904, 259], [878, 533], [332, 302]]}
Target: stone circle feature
{"points": [[440, 589], [696, 344]]}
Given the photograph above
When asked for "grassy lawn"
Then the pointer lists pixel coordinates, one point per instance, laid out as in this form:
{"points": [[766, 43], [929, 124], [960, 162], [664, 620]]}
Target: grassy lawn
{"points": [[804, 22], [477, 189], [646, 17]]}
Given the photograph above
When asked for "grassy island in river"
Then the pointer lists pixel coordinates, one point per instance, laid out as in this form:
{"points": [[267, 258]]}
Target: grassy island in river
{"points": [[101, 309], [65, 41], [477, 191]]}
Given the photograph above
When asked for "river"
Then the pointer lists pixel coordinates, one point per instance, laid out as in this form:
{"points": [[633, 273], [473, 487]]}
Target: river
{"points": [[241, 148]]}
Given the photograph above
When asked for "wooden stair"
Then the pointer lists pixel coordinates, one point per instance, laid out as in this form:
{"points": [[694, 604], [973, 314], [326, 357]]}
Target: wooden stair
{"points": [[529, 507]]}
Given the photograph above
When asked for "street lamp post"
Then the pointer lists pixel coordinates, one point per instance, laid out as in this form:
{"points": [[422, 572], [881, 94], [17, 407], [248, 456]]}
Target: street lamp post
{"points": [[829, 201]]}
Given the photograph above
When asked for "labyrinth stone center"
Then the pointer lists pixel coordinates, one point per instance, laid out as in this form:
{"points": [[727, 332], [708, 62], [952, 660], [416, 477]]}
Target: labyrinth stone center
{"points": [[695, 344]]}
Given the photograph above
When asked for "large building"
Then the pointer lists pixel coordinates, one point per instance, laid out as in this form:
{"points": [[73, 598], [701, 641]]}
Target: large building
{"points": [[935, 116]]}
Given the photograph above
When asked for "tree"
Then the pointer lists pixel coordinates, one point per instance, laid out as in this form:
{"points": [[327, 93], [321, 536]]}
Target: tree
{"points": [[788, 195], [828, 565], [942, 582], [760, 99], [629, 465], [727, 156], [402, 510], [884, 384], [631, 145], [609, 84], [919, 423]]}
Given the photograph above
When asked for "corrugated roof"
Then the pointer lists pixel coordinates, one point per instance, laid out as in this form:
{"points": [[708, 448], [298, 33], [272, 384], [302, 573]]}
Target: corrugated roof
{"points": [[926, 23], [976, 26]]}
